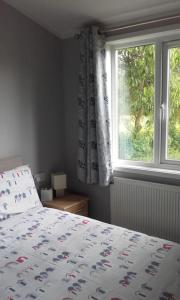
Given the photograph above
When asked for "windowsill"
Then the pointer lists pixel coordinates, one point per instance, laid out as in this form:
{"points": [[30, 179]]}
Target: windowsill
{"points": [[149, 171]]}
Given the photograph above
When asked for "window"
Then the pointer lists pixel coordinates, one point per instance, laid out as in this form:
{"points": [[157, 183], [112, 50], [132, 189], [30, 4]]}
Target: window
{"points": [[171, 133], [145, 85]]}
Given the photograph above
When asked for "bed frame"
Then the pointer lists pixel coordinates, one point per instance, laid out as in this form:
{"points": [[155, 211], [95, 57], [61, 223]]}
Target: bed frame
{"points": [[10, 163]]}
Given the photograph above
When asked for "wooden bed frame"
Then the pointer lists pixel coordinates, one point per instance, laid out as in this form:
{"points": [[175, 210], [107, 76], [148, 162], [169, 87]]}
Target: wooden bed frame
{"points": [[10, 163]]}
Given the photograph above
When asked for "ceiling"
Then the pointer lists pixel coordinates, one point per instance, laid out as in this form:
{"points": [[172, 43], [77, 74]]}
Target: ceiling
{"points": [[65, 17]]}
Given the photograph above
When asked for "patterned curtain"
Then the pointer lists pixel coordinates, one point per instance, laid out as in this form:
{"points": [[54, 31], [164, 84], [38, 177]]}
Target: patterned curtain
{"points": [[94, 158]]}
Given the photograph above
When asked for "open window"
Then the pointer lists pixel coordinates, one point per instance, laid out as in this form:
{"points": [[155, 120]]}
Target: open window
{"points": [[145, 88]]}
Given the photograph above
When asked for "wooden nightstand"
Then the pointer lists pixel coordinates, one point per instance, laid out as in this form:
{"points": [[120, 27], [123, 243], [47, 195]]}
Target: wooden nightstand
{"points": [[74, 203]]}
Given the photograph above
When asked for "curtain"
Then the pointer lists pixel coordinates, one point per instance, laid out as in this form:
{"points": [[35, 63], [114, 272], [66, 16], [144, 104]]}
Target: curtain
{"points": [[94, 155]]}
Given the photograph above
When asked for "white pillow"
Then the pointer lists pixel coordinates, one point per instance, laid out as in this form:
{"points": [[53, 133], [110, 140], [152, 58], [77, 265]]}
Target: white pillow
{"points": [[17, 191]]}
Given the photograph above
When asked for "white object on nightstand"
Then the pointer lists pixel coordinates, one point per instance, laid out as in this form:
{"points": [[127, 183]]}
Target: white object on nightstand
{"points": [[59, 183]]}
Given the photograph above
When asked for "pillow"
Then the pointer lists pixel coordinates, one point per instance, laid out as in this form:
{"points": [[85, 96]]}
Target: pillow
{"points": [[17, 191]]}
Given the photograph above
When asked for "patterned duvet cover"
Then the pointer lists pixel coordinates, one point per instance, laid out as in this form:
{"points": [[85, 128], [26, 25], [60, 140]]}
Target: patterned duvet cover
{"points": [[52, 255]]}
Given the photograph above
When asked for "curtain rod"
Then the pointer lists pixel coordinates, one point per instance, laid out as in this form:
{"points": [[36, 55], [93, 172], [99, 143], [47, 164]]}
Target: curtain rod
{"points": [[150, 22]]}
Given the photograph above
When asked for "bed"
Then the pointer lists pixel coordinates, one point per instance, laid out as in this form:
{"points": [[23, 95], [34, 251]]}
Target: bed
{"points": [[54, 255]]}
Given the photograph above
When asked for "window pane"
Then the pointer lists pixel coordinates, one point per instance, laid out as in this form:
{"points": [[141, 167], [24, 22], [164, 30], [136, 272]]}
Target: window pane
{"points": [[135, 81], [173, 144]]}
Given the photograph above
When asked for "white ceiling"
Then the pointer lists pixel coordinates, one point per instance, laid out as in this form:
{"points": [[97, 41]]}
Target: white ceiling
{"points": [[65, 17]]}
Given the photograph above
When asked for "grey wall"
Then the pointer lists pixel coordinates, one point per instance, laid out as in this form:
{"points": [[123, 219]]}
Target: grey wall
{"points": [[31, 106], [34, 122], [99, 203]]}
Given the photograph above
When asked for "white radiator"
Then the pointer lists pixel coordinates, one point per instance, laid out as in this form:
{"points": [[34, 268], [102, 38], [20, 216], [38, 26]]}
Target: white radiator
{"points": [[148, 207]]}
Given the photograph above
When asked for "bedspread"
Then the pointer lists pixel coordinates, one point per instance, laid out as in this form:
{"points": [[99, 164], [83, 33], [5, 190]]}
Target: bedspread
{"points": [[53, 255]]}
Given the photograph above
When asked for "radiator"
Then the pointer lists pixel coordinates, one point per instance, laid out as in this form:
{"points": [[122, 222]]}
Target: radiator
{"points": [[148, 207]]}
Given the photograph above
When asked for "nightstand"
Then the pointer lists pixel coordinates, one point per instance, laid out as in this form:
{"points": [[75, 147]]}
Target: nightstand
{"points": [[74, 203]]}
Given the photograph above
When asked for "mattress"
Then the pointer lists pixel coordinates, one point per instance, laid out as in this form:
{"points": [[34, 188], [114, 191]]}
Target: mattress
{"points": [[54, 255]]}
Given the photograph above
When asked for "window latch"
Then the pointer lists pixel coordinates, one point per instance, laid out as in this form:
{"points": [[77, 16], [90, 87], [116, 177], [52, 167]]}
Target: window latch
{"points": [[162, 107]]}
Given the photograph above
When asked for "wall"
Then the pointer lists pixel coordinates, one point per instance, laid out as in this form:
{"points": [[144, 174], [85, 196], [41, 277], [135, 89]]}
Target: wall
{"points": [[99, 203], [31, 106], [32, 113]]}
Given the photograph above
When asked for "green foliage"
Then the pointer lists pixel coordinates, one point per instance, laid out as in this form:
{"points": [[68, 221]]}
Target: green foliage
{"points": [[136, 109]]}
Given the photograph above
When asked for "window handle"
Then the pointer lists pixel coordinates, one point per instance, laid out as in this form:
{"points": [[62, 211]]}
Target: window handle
{"points": [[162, 107]]}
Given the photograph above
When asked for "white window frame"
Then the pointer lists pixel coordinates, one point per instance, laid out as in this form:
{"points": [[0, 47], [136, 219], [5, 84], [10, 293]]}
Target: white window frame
{"points": [[161, 166], [165, 66]]}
